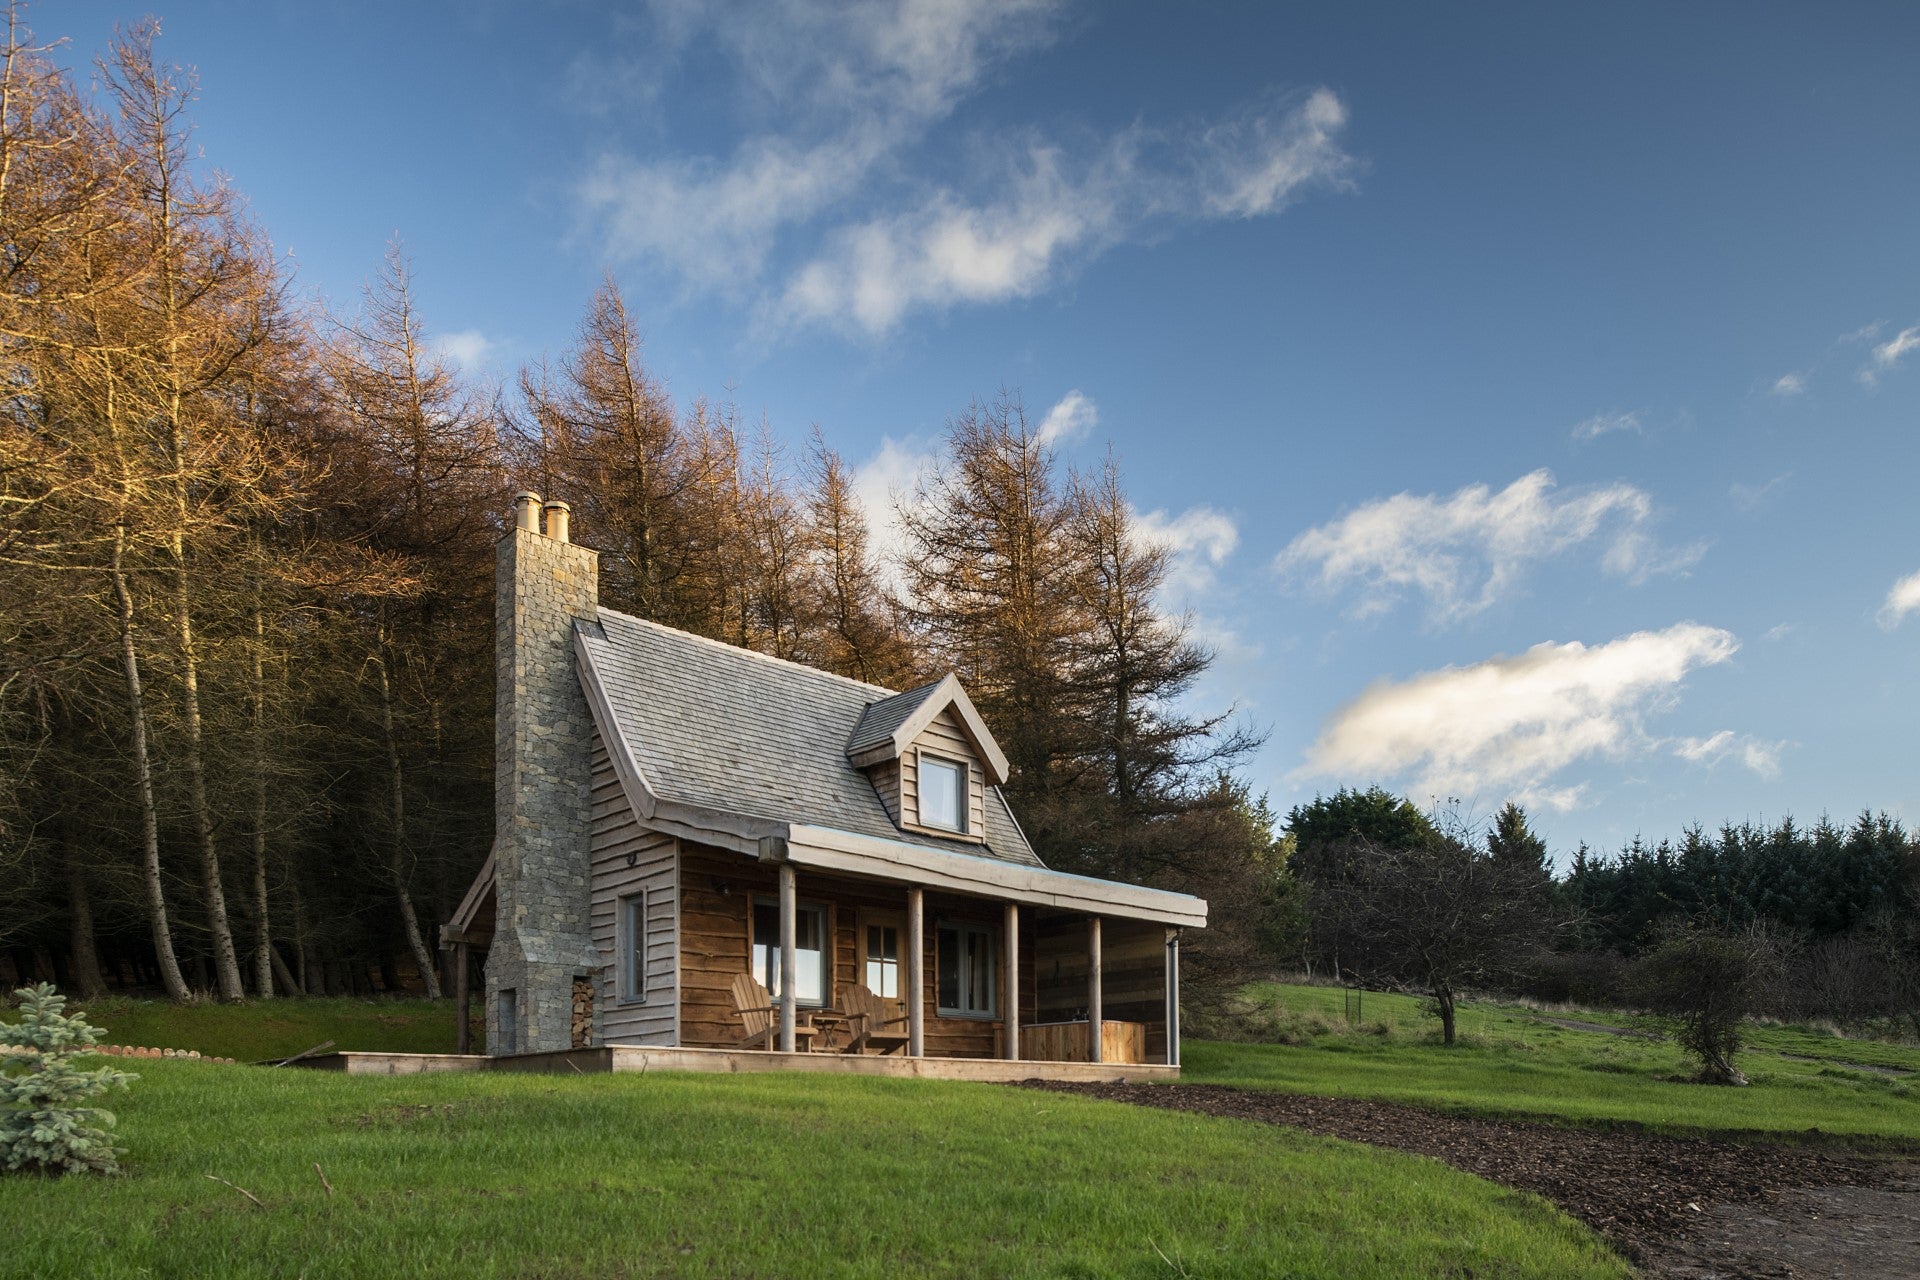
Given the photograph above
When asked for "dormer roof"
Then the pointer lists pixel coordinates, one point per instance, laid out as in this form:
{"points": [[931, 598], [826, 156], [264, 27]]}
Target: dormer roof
{"points": [[888, 728]]}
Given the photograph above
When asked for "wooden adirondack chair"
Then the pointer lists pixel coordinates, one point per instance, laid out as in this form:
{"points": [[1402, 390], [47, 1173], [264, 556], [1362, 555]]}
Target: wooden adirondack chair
{"points": [[761, 1016], [875, 1021]]}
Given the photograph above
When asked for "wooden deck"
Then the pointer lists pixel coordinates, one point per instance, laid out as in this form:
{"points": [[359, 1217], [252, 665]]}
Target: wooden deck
{"points": [[635, 1058]]}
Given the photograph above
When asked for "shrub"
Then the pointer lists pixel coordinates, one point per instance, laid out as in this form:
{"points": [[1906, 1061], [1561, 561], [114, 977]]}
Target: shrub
{"points": [[43, 1127], [1702, 984]]}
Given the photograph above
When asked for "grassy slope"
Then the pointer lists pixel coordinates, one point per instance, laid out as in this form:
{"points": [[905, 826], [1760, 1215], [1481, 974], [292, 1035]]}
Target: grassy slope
{"points": [[489, 1176], [1510, 1062], [272, 1029]]}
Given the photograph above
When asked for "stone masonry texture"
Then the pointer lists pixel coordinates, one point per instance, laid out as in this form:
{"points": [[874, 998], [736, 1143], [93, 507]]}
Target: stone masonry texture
{"points": [[542, 779]]}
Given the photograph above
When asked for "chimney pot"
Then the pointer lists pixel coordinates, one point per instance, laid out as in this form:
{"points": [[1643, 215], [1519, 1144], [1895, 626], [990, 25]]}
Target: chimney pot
{"points": [[526, 511], [557, 512]]}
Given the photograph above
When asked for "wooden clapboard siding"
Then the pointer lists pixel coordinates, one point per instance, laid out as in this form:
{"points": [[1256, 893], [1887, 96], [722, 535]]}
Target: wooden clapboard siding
{"points": [[617, 837], [886, 781], [716, 888], [944, 737]]}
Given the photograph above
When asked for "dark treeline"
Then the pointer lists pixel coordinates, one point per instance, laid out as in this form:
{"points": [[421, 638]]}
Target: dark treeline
{"points": [[246, 572], [1396, 897]]}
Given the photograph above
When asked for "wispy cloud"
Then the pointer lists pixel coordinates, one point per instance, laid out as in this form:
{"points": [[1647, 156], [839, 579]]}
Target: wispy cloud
{"points": [[1752, 497], [838, 99], [468, 348], [1052, 208], [1789, 384], [1902, 599], [1513, 724], [1890, 353], [1466, 550], [1760, 756], [1602, 424], [1070, 419]]}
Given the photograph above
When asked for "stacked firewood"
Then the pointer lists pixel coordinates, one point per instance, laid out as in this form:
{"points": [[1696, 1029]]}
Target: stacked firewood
{"points": [[582, 1012]]}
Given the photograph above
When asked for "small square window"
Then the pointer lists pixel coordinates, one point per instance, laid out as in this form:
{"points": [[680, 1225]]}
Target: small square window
{"points": [[943, 794]]}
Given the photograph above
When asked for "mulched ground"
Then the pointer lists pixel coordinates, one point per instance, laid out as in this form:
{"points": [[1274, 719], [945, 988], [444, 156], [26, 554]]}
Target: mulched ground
{"points": [[1660, 1200]]}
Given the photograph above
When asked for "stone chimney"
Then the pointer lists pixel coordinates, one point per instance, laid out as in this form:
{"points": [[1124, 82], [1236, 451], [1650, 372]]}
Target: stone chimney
{"points": [[543, 741]]}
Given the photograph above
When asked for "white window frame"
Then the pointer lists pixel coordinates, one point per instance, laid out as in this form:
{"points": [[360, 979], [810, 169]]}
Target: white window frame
{"points": [[879, 920], [980, 934], [963, 795], [632, 940], [770, 977]]}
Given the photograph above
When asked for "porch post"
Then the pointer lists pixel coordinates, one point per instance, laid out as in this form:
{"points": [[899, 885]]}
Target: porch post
{"points": [[1012, 1009], [1094, 1019], [789, 960], [1173, 997], [916, 975], [463, 1029]]}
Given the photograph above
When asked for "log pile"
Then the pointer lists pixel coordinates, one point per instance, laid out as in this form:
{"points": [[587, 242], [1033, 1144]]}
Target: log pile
{"points": [[582, 1012]]}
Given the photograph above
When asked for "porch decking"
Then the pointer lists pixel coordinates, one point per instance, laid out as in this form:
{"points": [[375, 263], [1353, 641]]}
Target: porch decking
{"points": [[618, 1058]]}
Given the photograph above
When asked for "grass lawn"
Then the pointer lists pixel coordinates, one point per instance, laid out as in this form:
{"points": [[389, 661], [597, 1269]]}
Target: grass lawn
{"points": [[1510, 1062], [762, 1175], [271, 1028]]}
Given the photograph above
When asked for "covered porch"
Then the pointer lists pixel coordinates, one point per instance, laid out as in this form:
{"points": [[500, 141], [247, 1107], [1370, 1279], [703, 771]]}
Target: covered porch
{"points": [[963, 975]]}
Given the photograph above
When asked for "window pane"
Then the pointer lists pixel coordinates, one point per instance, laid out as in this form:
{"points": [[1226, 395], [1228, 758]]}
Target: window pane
{"points": [[810, 958], [636, 955], [979, 972], [883, 960], [949, 966], [940, 793]]}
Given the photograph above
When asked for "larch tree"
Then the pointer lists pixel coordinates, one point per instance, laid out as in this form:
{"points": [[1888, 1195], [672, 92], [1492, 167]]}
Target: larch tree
{"points": [[856, 628]]}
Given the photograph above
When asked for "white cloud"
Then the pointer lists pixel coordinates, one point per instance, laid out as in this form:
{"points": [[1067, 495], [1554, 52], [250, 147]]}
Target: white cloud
{"points": [[468, 348], [1789, 384], [1902, 599], [1601, 424], [1051, 209], [1890, 353], [1761, 757], [1779, 631], [1197, 541], [1510, 724], [1465, 550], [837, 99], [881, 483], [1071, 418]]}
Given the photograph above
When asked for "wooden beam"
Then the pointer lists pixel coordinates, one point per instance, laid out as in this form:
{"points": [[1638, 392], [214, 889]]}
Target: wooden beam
{"points": [[1093, 989], [462, 996], [789, 958], [1173, 997], [916, 973], [1011, 1014]]}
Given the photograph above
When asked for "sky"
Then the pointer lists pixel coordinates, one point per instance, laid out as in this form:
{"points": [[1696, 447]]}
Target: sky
{"points": [[1527, 393]]}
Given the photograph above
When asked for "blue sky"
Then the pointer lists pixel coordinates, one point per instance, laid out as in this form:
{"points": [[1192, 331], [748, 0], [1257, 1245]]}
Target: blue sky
{"points": [[1529, 394]]}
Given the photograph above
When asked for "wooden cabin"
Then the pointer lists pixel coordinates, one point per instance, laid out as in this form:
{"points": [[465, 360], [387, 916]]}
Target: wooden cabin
{"points": [[674, 812]]}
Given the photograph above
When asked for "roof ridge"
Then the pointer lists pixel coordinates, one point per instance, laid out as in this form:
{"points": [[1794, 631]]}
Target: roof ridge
{"points": [[763, 657]]}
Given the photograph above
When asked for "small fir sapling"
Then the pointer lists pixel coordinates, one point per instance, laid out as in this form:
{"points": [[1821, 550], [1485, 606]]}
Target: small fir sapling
{"points": [[44, 1125]]}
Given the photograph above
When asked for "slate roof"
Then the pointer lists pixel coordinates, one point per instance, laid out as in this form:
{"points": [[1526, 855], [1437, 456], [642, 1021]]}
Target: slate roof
{"points": [[729, 729], [881, 718]]}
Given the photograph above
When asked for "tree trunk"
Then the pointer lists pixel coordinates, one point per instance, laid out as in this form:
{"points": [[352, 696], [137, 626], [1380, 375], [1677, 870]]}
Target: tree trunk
{"points": [[219, 927], [263, 955], [170, 976], [397, 848], [88, 981], [1443, 997], [288, 984]]}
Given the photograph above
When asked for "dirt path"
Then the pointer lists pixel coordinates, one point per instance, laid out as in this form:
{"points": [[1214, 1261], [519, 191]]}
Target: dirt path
{"points": [[1681, 1207]]}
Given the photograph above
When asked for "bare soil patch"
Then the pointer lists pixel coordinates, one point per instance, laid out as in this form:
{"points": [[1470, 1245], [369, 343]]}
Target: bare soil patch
{"points": [[1682, 1207]]}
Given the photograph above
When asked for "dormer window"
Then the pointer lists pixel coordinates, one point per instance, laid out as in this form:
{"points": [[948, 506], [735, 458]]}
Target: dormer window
{"points": [[943, 794]]}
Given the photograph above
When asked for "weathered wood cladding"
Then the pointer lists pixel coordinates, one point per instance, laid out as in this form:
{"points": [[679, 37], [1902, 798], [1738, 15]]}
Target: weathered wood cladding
{"points": [[1133, 973], [629, 859], [943, 737], [716, 890], [886, 781]]}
